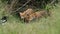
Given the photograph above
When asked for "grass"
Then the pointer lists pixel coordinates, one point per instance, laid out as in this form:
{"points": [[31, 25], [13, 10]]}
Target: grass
{"points": [[50, 25]]}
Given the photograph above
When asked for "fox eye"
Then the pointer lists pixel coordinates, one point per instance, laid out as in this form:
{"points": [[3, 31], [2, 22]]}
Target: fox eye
{"points": [[27, 14]]}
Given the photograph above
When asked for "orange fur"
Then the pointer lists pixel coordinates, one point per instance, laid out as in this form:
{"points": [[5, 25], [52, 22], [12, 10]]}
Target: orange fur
{"points": [[25, 13], [35, 15]]}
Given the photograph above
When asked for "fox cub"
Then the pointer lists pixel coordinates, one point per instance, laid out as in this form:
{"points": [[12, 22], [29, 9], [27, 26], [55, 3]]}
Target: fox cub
{"points": [[35, 15], [25, 13], [29, 14]]}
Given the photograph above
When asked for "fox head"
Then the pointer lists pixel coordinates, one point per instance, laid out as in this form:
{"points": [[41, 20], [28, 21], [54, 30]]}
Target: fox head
{"points": [[22, 15]]}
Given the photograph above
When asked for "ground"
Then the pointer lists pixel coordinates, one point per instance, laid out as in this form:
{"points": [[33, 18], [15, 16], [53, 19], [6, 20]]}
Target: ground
{"points": [[49, 25]]}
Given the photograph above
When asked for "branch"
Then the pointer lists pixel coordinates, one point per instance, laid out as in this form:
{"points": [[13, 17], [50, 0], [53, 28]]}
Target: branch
{"points": [[52, 2], [22, 6]]}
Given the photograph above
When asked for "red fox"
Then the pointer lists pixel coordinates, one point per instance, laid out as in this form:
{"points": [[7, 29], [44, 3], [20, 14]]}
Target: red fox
{"points": [[35, 15], [25, 13]]}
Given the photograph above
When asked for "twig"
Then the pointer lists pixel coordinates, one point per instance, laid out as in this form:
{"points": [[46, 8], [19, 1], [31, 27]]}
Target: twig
{"points": [[22, 6], [52, 2]]}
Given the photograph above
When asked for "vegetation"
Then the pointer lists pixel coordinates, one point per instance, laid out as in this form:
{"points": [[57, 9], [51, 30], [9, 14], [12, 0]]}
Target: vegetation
{"points": [[13, 5], [49, 25]]}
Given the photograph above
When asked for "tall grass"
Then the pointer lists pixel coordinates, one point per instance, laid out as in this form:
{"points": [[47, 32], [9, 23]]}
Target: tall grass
{"points": [[49, 25]]}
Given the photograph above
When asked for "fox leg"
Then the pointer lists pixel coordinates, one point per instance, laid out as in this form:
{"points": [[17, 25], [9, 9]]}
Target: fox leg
{"points": [[26, 21]]}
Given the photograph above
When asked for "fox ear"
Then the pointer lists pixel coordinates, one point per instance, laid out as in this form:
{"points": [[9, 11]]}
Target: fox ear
{"points": [[20, 13]]}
